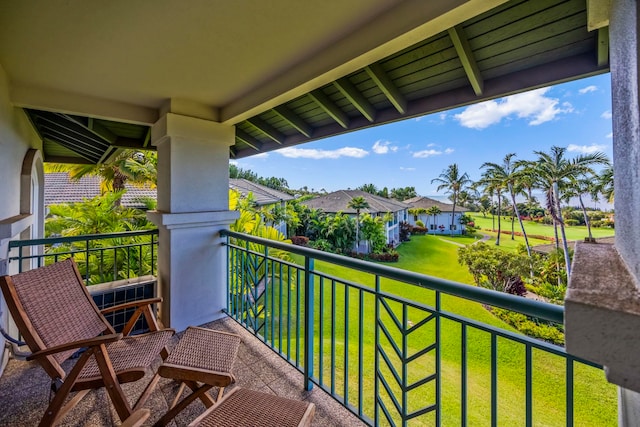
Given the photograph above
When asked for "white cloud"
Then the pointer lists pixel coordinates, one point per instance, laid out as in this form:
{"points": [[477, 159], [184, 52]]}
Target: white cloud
{"points": [[606, 115], [402, 168], [609, 135], [590, 88], [261, 156], [533, 105], [311, 153], [586, 149], [431, 145], [442, 116], [383, 147], [430, 153]]}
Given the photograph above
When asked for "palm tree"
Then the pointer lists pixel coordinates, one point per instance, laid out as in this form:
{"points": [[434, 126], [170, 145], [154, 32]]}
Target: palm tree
{"points": [[554, 171], [435, 211], [507, 175], [453, 182], [130, 166], [494, 186], [358, 203], [605, 183], [586, 184]]}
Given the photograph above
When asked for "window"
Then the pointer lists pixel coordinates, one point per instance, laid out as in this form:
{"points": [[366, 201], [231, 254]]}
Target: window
{"points": [[453, 227]]}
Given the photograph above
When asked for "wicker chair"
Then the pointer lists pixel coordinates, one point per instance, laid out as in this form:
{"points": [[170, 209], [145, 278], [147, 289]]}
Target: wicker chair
{"points": [[56, 316], [249, 408]]}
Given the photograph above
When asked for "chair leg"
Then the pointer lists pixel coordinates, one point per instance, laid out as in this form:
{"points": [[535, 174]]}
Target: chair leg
{"points": [[111, 383], [220, 393], [178, 395], [55, 409], [147, 392], [198, 392]]}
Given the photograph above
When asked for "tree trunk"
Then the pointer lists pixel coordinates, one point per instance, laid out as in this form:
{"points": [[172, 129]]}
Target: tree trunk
{"points": [[586, 217], [357, 231], [524, 233], [565, 245], [453, 215], [499, 218]]}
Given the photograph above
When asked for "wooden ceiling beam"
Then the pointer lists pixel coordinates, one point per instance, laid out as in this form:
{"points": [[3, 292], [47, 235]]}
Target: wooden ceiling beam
{"points": [[131, 143], [267, 129], [53, 123], [330, 108], [109, 154], [98, 130], [603, 46], [248, 139], [294, 120], [382, 80], [71, 141], [67, 159], [463, 49], [356, 98]]}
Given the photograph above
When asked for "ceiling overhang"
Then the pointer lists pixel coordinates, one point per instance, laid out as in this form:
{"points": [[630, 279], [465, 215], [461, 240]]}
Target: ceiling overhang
{"points": [[373, 62]]}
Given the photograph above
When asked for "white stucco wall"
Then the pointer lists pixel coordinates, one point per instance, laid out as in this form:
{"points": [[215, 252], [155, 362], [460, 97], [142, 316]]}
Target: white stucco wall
{"points": [[16, 137], [441, 219]]}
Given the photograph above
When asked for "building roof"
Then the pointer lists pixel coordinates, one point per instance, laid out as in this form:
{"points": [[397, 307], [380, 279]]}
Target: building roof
{"points": [[356, 64], [426, 203], [338, 201], [262, 195], [58, 188]]}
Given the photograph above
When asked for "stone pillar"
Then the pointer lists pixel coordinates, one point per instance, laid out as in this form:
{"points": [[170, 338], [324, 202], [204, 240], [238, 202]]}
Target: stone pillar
{"points": [[193, 206], [623, 35], [624, 52]]}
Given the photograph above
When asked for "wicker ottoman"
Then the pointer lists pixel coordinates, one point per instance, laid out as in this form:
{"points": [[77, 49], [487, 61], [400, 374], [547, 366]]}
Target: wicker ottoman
{"points": [[248, 408], [202, 359]]}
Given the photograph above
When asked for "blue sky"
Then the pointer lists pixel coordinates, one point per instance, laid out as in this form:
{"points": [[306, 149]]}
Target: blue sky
{"points": [[576, 115]]}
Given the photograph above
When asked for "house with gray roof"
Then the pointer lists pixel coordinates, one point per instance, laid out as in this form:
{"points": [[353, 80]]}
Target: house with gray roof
{"points": [[262, 196], [338, 201], [435, 224], [58, 188]]}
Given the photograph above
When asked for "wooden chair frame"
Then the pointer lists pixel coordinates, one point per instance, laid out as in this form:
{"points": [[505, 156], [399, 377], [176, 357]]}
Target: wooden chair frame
{"points": [[62, 383]]}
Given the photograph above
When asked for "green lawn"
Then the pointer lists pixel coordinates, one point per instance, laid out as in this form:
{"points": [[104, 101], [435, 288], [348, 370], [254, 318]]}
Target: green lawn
{"points": [[532, 227], [595, 399]]}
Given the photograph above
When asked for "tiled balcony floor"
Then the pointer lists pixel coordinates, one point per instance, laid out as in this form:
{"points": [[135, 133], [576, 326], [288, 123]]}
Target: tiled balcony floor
{"points": [[24, 390]]}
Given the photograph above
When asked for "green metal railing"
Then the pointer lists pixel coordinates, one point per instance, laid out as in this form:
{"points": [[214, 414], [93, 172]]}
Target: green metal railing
{"points": [[345, 324], [100, 257]]}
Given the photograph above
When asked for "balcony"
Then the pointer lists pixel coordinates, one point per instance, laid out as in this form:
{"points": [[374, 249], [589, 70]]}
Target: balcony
{"points": [[343, 334]]}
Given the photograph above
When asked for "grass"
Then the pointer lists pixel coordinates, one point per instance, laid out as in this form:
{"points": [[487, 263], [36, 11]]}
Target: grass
{"points": [[532, 227], [344, 314]]}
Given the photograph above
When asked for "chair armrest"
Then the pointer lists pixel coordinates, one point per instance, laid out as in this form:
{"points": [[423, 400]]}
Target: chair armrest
{"points": [[138, 303], [91, 342]]}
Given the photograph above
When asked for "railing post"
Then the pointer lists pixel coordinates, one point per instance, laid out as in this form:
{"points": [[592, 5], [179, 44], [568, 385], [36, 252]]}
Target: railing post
{"points": [[308, 322]]}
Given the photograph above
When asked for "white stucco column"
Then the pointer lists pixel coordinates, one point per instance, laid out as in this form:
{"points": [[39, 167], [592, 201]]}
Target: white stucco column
{"points": [[602, 306], [193, 206]]}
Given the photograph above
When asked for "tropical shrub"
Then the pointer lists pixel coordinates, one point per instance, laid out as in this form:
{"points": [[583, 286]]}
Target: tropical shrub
{"points": [[418, 230], [531, 326], [419, 224], [300, 240], [372, 229], [405, 231], [495, 269], [572, 222], [321, 245]]}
